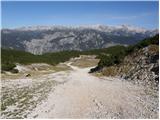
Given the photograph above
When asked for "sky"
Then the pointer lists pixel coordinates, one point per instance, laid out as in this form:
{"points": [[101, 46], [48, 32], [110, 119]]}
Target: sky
{"points": [[30, 13]]}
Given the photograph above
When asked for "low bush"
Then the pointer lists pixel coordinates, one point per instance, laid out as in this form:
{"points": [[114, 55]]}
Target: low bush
{"points": [[7, 66]]}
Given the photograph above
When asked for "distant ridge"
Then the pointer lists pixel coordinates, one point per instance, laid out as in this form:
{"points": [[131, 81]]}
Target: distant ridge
{"points": [[42, 39]]}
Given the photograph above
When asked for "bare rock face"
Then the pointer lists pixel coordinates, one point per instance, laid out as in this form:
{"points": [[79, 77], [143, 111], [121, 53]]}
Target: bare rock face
{"points": [[42, 39], [146, 66], [141, 67]]}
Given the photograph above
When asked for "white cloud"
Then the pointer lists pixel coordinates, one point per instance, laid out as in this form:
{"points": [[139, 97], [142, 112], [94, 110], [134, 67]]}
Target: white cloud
{"points": [[103, 16]]}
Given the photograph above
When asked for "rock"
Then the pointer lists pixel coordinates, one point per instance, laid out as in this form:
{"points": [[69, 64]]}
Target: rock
{"points": [[14, 71], [27, 75], [143, 67], [155, 70], [94, 69]]}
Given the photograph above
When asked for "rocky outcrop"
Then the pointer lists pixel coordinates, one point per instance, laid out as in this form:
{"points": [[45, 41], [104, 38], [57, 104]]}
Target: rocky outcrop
{"points": [[43, 39], [141, 67]]}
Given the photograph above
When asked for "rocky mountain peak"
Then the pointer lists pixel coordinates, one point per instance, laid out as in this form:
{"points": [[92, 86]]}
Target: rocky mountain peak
{"points": [[42, 39]]}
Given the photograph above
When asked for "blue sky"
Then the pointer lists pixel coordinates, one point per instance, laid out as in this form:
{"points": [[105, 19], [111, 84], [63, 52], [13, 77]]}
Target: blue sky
{"points": [[18, 14]]}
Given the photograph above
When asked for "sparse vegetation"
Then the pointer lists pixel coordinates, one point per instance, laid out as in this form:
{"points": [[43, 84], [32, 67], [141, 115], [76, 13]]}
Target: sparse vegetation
{"points": [[116, 54], [85, 61]]}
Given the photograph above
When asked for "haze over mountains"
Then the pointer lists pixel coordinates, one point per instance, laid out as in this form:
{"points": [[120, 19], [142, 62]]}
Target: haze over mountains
{"points": [[42, 39]]}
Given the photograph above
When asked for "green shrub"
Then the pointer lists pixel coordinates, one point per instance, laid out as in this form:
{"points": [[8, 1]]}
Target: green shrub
{"points": [[7, 66], [10, 57], [153, 40], [115, 55]]}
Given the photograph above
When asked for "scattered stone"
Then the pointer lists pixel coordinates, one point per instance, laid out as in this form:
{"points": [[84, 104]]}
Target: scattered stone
{"points": [[28, 75], [143, 67]]}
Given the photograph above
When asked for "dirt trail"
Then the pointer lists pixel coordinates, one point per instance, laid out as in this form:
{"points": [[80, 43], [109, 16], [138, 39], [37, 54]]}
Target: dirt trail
{"points": [[85, 96]]}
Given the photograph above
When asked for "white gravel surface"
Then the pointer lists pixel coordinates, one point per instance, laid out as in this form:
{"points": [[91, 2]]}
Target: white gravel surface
{"points": [[86, 96], [82, 95]]}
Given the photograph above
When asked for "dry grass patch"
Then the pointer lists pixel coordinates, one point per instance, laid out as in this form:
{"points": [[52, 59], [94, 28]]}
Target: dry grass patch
{"points": [[116, 70], [85, 61], [153, 49], [35, 70]]}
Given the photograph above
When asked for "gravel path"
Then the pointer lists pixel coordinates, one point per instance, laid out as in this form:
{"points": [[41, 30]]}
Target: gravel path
{"points": [[82, 95], [86, 96]]}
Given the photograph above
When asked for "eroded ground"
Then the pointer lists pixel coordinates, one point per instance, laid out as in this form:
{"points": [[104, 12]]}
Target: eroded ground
{"points": [[74, 93]]}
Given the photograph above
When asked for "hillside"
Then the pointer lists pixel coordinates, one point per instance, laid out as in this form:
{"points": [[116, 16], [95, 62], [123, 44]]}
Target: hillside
{"points": [[44, 39], [139, 63], [46, 92], [74, 93], [108, 56], [10, 57]]}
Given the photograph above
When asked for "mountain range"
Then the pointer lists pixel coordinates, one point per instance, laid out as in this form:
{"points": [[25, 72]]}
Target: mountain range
{"points": [[44, 39]]}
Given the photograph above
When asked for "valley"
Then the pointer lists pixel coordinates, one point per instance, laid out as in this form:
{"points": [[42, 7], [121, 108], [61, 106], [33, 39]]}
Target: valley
{"points": [[44, 39], [79, 60]]}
